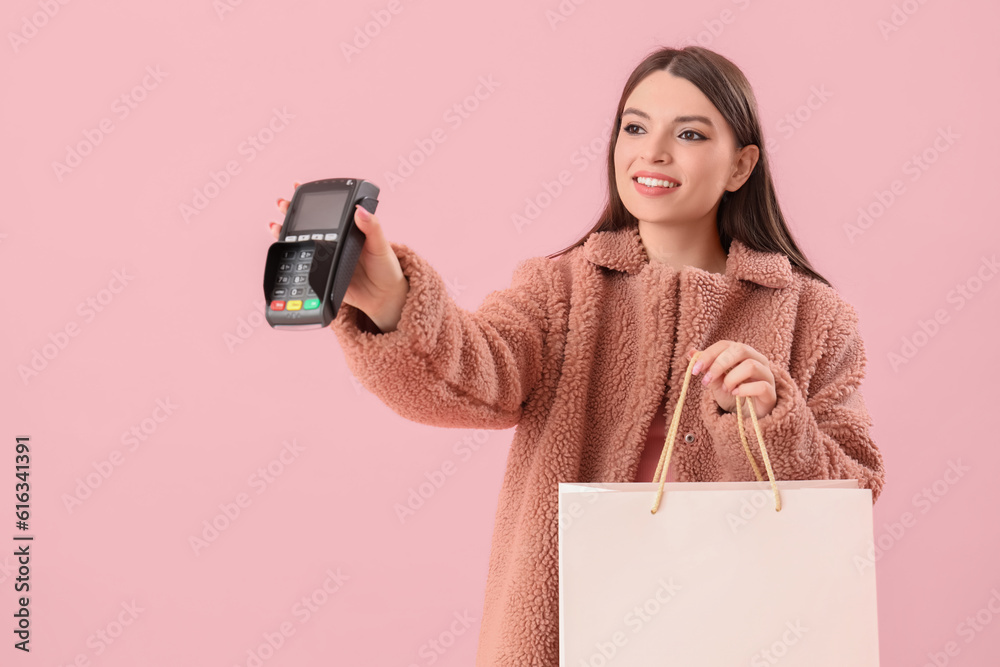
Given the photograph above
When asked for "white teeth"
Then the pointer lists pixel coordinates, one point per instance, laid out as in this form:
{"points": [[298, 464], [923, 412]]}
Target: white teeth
{"points": [[655, 183]]}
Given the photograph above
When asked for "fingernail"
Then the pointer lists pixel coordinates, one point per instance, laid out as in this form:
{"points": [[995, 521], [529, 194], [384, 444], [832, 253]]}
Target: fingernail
{"points": [[697, 367], [363, 212], [279, 201], [707, 378]]}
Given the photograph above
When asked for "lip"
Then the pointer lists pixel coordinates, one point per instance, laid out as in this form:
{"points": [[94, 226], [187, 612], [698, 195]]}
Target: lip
{"points": [[652, 174], [647, 191]]}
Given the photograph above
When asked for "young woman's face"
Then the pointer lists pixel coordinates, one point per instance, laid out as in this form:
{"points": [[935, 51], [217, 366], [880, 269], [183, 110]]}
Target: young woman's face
{"points": [[671, 130]]}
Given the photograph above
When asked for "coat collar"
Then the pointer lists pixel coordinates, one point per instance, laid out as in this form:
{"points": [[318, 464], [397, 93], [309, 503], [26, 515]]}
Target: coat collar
{"points": [[622, 250]]}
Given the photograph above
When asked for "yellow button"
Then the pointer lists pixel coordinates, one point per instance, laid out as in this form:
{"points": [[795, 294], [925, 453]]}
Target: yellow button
{"points": [[293, 305]]}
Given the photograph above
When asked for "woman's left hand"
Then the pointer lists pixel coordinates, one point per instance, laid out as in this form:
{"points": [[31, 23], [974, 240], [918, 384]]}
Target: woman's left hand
{"points": [[728, 365]]}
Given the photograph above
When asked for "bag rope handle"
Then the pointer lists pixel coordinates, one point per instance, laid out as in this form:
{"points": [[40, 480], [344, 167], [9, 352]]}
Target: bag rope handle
{"points": [[661, 468]]}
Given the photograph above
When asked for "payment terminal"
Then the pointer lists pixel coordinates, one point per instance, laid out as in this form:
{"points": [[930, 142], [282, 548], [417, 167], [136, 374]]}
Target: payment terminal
{"points": [[310, 266]]}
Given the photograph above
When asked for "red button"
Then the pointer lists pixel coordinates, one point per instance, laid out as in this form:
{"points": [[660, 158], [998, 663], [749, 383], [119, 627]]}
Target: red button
{"points": [[277, 305]]}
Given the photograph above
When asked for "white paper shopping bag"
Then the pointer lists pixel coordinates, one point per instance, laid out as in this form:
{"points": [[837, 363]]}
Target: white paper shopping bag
{"points": [[717, 574]]}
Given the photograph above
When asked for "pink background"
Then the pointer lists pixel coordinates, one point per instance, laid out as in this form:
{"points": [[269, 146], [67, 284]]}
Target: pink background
{"points": [[190, 287]]}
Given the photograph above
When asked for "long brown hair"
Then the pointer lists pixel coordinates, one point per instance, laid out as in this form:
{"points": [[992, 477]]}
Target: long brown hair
{"points": [[751, 214]]}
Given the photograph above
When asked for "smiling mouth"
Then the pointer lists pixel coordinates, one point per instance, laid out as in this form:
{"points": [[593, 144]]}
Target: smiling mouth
{"points": [[655, 182]]}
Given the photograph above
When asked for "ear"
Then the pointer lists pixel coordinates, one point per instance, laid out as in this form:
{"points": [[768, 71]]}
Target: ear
{"points": [[743, 164]]}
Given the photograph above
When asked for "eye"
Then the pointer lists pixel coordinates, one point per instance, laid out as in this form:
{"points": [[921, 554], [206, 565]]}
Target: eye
{"points": [[626, 129], [695, 133]]}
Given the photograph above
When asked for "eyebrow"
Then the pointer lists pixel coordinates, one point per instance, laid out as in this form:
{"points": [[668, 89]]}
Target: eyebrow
{"points": [[678, 119]]}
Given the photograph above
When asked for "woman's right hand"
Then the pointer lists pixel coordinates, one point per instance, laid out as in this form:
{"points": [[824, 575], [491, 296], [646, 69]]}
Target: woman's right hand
{"points": [[378, 286]]}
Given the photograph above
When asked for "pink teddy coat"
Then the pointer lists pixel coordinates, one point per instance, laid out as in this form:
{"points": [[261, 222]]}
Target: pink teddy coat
{"points": [[578, 354]]}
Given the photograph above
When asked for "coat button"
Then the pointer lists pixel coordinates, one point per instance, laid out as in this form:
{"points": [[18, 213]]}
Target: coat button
{"points": [[689, 437]]}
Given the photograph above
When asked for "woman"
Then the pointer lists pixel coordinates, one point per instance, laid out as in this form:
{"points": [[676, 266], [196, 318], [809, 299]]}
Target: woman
{"points": [[588, 345]]}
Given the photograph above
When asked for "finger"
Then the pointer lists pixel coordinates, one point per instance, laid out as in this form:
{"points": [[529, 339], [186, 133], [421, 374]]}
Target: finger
{"points": [[717, 358], [752, 353], [757, 389], [366, 220], [747, 370], [707, 356], [283, 203], [368, 223], [690, 354], [760, 393], [730, 357], [275, 229]]}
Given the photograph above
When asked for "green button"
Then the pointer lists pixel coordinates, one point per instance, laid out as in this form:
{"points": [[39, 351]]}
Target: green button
{"points": [[311, 304]]}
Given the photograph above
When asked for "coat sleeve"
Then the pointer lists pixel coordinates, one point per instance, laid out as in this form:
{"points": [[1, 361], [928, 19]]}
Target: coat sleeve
{"points": [[446, 366], [822, 433]]}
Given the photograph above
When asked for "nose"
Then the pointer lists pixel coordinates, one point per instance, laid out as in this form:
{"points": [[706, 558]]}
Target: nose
{"points": [[657, 150]]}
